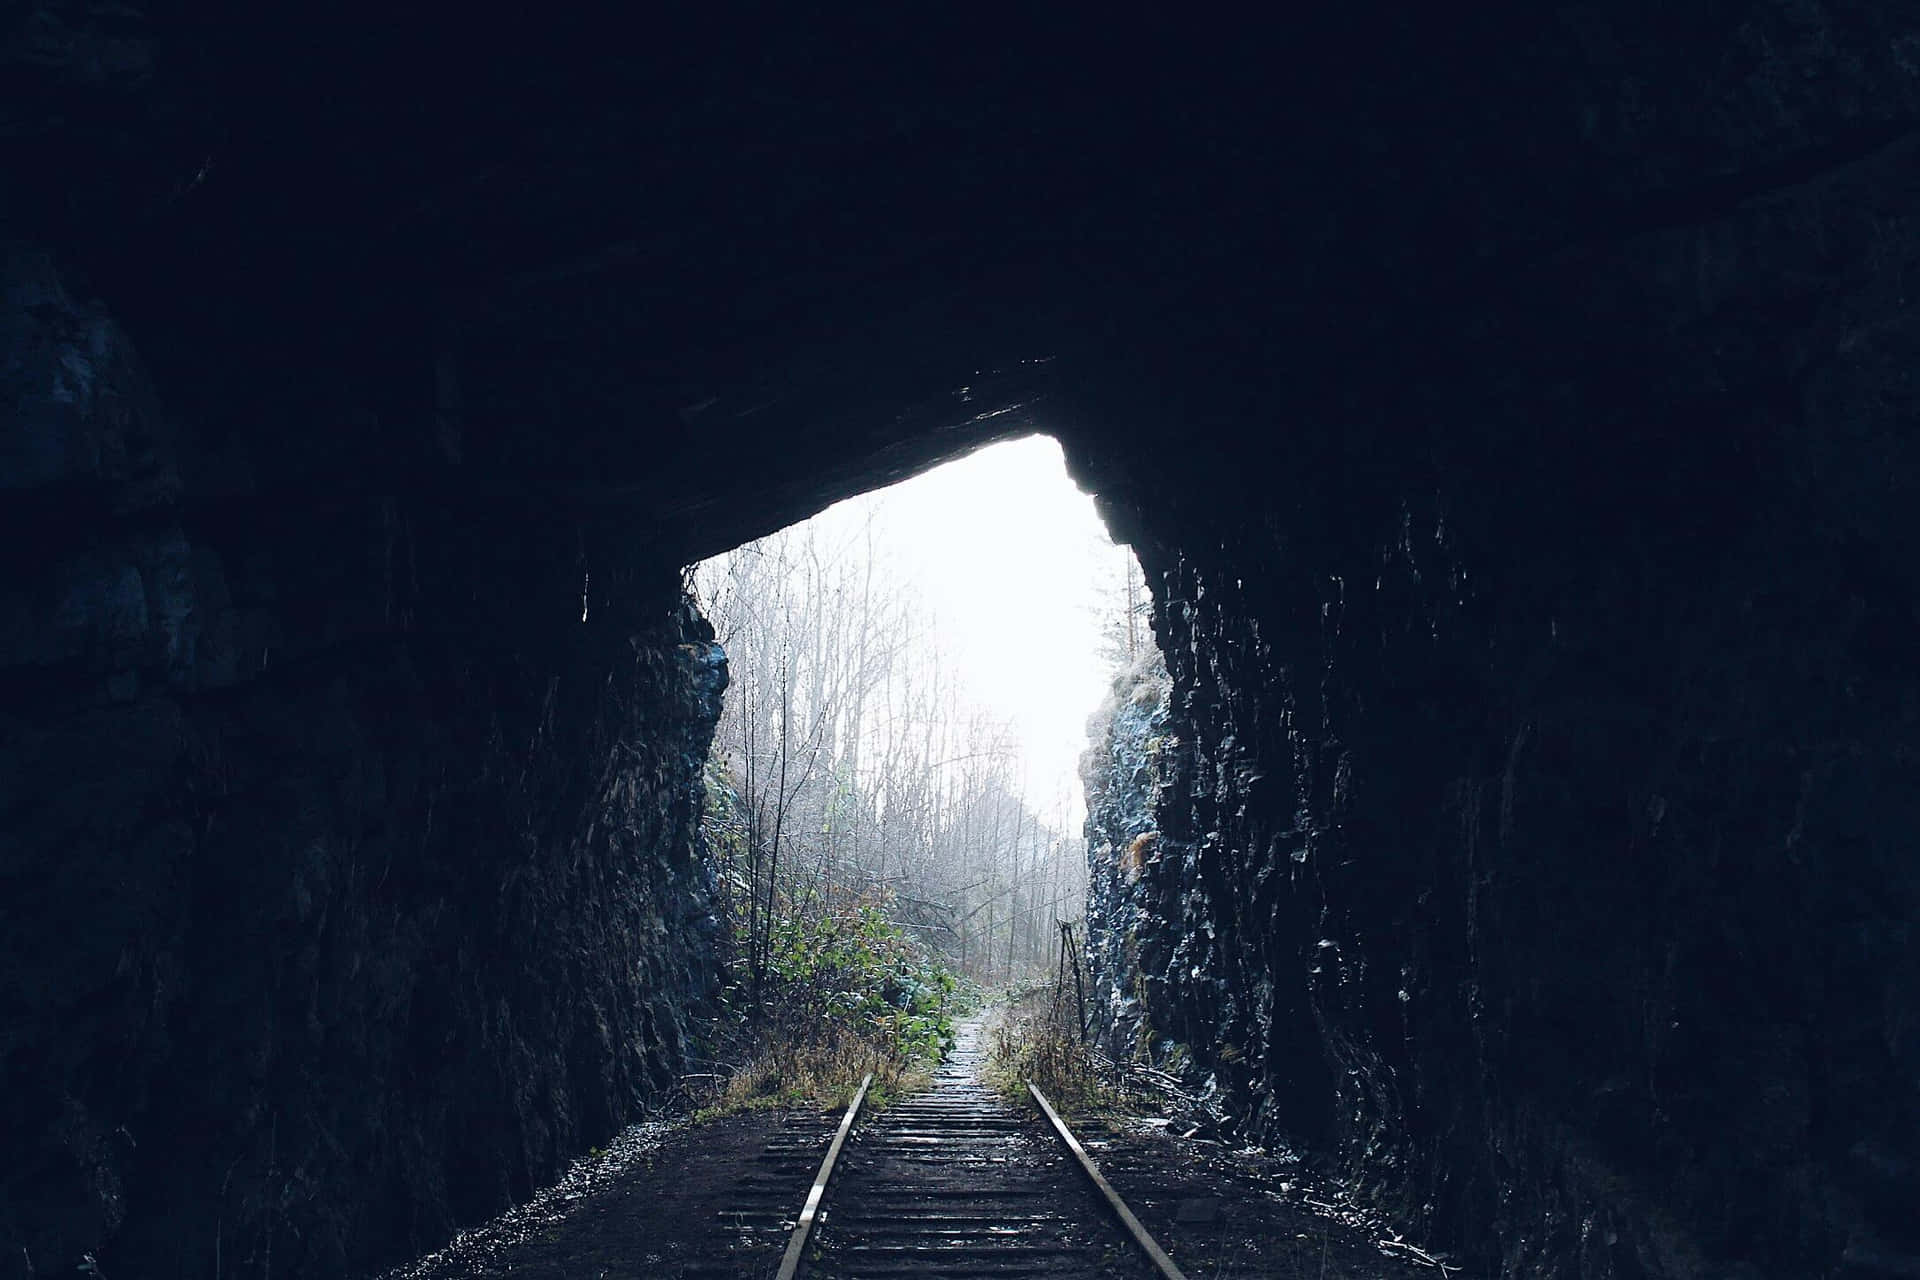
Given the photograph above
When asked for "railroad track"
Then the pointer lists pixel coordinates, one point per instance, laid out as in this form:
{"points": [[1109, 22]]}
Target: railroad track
{"points": [[956, 1183], [759, 1212]]}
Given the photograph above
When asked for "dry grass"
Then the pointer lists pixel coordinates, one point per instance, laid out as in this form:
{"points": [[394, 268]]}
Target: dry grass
{"points": [[1034, 1039], [789, 1073]]}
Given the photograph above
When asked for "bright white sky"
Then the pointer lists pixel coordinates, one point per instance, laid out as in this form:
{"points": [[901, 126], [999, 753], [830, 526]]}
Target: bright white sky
{"points": [[1017, 566]]}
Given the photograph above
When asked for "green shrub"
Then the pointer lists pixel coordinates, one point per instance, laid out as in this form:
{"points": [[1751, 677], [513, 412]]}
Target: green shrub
{"points": [[845, 991]]}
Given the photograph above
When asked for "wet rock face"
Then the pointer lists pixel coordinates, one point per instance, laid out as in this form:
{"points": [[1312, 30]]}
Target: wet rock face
{"points": [[1122, 773], [363, 869]]}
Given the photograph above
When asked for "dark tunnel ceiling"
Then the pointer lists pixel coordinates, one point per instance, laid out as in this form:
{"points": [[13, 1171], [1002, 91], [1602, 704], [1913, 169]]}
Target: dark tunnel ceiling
{"points": [[826, 229], [637, 249]]}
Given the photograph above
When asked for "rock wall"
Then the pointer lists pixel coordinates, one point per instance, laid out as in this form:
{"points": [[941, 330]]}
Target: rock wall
{"points": [[1535, 835], [1122, 774], [349, 866]]}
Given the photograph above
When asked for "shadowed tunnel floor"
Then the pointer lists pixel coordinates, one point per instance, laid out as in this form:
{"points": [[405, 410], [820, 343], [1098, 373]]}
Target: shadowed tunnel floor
{"points": [[915, 1196]]}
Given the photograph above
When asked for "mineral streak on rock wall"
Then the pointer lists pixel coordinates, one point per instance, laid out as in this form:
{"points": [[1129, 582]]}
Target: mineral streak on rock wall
{"points": [[350, 872]]}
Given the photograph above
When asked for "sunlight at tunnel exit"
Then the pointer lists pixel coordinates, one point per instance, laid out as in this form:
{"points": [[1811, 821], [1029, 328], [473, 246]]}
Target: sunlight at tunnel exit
{"points": [[1026, 589]]}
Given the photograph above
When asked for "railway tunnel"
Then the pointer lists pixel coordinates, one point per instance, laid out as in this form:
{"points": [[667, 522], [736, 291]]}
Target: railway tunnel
{"points": [[1513, 415]]}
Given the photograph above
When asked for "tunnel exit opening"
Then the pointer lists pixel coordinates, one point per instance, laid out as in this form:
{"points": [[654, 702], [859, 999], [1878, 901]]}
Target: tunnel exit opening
{"points": [[893, 800]]}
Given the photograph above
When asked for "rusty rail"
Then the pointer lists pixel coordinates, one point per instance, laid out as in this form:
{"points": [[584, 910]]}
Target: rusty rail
{"points": [[809, 1212], [1140, 1234]]}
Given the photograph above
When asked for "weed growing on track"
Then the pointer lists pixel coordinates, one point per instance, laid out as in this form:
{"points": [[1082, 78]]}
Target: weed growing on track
{"points": [[1034, 1038]]}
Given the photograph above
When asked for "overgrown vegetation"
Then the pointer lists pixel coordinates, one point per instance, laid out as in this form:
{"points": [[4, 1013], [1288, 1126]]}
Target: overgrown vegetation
{"points": [[823, 989], [861, 768], [843, 992], [866, 826], [878, 842], [1037, 1037]]}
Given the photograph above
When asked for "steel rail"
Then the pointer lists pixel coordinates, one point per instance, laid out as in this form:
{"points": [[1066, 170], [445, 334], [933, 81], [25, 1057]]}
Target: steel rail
{"points": [[797, 1243], [1140, 1234]]}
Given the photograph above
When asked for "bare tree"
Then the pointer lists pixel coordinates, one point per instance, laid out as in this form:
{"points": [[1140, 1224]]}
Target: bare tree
{"points": [[862, 769]]}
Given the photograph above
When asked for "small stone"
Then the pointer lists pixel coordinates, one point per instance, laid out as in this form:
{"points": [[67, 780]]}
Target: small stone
{"points": [[1205, 1209]]}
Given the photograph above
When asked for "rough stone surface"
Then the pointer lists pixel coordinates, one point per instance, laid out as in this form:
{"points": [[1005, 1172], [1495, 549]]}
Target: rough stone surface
{"points": [[1127, 933], [1538, 799], [357, 905]]}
